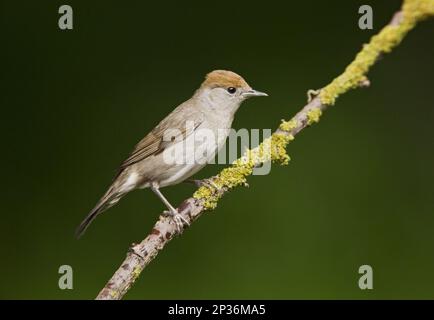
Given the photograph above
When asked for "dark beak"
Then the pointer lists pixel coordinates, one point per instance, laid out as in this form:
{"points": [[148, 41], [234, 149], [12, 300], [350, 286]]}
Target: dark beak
{"points": [[254, 93]]}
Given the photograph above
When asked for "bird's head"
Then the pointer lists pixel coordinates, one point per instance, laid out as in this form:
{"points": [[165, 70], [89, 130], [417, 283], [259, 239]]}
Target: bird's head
{"points": [[225, 91]]}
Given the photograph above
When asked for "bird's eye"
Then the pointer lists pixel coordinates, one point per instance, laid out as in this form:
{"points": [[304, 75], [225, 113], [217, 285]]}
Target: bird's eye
{"points": [[232, 90]]}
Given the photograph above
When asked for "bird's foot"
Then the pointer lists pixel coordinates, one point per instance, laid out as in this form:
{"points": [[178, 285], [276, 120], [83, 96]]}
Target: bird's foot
{"points": [[178, 219], [206, 183]]}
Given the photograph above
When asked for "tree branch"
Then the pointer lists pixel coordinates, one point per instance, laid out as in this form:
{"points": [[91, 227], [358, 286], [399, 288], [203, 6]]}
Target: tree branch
{"points": [[271, 149]]}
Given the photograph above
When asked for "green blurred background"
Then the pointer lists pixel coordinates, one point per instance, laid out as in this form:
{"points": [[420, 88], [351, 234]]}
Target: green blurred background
{"points": [[359, 188]]}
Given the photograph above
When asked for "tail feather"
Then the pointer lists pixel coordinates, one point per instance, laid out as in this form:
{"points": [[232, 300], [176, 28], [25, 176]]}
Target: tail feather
{"points": [[107, 201]]}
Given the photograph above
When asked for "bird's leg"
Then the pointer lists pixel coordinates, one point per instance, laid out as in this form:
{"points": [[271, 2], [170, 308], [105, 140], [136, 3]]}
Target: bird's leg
{"points": [[204, 183], [177, 217]]}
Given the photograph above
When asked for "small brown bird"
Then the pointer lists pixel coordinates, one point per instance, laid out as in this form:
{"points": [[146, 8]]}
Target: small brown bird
{"points": [[167, 155]]}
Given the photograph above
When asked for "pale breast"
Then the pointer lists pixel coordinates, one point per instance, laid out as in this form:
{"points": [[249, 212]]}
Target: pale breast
{"points": [[182, 160]]}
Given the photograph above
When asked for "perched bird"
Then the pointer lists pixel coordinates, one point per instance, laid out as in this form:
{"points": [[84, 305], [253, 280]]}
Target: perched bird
{"points": [[167, 155]]}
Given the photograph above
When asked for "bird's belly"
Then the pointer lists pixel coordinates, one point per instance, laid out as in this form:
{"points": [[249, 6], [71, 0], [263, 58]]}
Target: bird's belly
{"points": [[182, 160], [179, 173]]}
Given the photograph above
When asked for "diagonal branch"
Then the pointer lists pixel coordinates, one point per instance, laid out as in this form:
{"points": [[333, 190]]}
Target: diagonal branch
{"points": [[271, 149]]}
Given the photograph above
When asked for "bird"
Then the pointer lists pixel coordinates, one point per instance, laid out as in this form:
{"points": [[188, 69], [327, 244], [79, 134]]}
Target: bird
{"points": [[167, 155]]}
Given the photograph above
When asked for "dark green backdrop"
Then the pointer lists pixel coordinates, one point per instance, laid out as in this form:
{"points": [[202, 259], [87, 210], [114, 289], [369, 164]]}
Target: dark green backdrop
{"points": [[359, 188]]}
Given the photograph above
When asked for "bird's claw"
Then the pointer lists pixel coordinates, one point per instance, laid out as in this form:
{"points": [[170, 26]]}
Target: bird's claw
{"points": [[206, 183], [178, 219]]}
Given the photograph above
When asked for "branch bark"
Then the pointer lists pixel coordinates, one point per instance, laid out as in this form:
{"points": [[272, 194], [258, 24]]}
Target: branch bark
{"points": [[141, 254]]}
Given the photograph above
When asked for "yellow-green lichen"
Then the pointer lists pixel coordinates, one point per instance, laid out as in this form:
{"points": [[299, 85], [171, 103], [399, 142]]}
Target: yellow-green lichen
{"points": [[288, 126], [389, 37], [136, 272], [311, 94], [313, 116], [271, 149], [274, 148], [114, 294], [278, 148]]}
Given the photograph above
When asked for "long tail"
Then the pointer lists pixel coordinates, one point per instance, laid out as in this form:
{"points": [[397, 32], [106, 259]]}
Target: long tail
{"points": [[110, 198]]}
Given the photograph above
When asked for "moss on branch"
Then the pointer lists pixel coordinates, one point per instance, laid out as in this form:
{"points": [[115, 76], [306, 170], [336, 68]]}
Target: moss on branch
{"points": [[388, 38], [274, 148]]}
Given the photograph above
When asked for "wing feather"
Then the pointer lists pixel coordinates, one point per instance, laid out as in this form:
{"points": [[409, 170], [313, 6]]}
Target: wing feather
{"points": [[172, 129]]}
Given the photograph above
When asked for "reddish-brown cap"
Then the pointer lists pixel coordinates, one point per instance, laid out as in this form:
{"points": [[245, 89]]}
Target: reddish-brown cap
{"points": [[224, 79]]}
